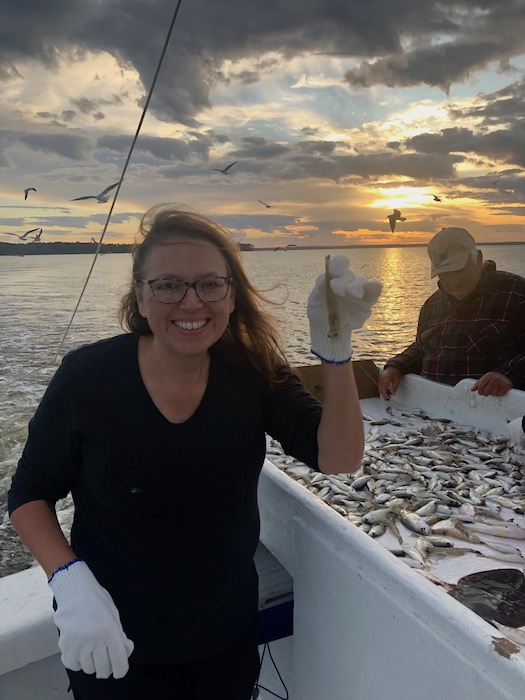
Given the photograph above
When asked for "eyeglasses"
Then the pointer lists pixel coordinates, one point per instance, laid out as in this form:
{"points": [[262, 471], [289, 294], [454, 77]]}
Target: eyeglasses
{"points": [[170, 291]]}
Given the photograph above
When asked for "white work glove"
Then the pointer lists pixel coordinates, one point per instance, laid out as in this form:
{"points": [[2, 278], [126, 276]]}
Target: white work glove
{"points": [[355, 297], [91, 635], [515, 432]]}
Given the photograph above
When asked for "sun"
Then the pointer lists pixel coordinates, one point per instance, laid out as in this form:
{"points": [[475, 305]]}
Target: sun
{"points": [[401, 197]]}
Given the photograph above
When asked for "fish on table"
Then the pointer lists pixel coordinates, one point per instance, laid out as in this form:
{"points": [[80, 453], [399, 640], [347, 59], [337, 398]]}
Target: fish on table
{"points": [[440, 489]]}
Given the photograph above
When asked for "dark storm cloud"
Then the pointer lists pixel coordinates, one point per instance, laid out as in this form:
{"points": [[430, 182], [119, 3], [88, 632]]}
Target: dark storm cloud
{"points": [[161, 148], [505, 145], [262, 222], [503, 106], [309, 131], [18, 221], [340, 168], [399, 36], [482, 32], [67, 115], [317, 147], [258, 147], [498, 131], [298, 161], [246, 77], [87, 106], [212, 135], [70, 146], [438, 66], [500, 193]]}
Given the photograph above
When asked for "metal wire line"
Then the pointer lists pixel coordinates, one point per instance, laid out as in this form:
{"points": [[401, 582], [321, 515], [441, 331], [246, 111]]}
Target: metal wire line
{"points": [[115, 197], [132, 147]]}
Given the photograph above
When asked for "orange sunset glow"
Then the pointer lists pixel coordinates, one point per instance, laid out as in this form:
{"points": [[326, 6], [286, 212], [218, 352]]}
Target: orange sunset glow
{"points": [[327, 132]]}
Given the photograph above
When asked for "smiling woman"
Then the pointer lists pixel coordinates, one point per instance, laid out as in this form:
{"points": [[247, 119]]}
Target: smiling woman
{"points": [[181, 403]]}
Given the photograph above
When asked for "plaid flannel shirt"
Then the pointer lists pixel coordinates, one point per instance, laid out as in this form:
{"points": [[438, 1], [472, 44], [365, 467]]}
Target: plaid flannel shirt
{"points": [[483, 333]]}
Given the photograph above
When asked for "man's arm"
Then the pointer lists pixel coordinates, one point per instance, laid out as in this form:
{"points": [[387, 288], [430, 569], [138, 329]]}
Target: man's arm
{"points": [[408, 361], [514, 370], [509, 375]]}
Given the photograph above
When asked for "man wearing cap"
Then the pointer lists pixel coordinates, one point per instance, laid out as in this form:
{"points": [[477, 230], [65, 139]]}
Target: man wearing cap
{"points": [[472, 326]]}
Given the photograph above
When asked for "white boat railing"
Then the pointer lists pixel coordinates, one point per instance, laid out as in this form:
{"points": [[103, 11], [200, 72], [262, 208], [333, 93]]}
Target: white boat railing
{"points": [[365, 624]]}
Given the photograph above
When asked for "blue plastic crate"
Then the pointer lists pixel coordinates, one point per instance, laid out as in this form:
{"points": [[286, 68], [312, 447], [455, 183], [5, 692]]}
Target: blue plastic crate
{"points": [[275, 597]]}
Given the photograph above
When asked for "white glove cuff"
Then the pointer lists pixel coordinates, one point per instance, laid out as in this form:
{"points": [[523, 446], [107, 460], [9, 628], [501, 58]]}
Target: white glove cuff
{"points": [[64, 567], [334, 351], [72, 579]]}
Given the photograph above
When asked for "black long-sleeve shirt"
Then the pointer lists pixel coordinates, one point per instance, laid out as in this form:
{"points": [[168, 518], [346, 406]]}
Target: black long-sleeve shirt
{"points": [[165, 514]]}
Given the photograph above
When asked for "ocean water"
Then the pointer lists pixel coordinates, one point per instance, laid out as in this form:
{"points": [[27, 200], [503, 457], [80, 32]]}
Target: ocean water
{"points": [[39, 294]]}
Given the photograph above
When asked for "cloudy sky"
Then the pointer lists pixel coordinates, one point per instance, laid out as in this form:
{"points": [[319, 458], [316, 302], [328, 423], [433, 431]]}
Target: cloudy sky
{"points": [[336, 112]]}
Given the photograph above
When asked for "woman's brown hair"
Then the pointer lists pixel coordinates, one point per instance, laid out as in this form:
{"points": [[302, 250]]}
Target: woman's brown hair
{"points": [[251, 340]]}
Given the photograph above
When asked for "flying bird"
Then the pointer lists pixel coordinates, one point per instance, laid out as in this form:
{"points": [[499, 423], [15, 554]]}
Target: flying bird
{"points": [[102, 197], [436, 198], [287, 247], [224, 171], [24, 236], [268, 206], [36, 239], [27, 191], [396, 216]]}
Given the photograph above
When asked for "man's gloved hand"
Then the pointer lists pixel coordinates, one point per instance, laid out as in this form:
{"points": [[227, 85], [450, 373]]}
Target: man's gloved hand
{"points": [[353, 297], [91, 635], [515, 432]]}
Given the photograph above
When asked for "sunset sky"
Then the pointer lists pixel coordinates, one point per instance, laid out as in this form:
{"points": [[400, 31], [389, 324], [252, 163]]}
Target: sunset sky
{"points": [[336, 112]]}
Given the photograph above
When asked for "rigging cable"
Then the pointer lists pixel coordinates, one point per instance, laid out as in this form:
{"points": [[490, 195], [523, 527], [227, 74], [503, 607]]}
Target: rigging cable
{"points": [[137, 132], [139, 126]]}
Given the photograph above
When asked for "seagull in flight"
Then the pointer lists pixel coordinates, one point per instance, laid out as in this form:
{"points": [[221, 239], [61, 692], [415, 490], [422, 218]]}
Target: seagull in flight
{"points": [[36, 239], [287, 247], [268, 206], [396, 216], [24, 236], [225, 170], [436, 198], [102, 197], [27, 191]]}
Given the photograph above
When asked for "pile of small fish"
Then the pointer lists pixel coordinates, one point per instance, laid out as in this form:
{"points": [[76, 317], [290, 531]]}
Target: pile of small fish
{"points": [[442, 481]]}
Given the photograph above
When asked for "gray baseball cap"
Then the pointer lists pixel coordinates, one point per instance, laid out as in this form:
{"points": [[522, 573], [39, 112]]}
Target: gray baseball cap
{"points": [[449, 250]]}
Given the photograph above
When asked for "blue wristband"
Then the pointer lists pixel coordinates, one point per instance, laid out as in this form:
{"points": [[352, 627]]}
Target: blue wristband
{"points": [[65, 566], [330, 362]]}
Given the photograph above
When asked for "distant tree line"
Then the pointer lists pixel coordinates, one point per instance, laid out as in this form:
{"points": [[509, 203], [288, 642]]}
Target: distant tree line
{"points": [[61, 248]]}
